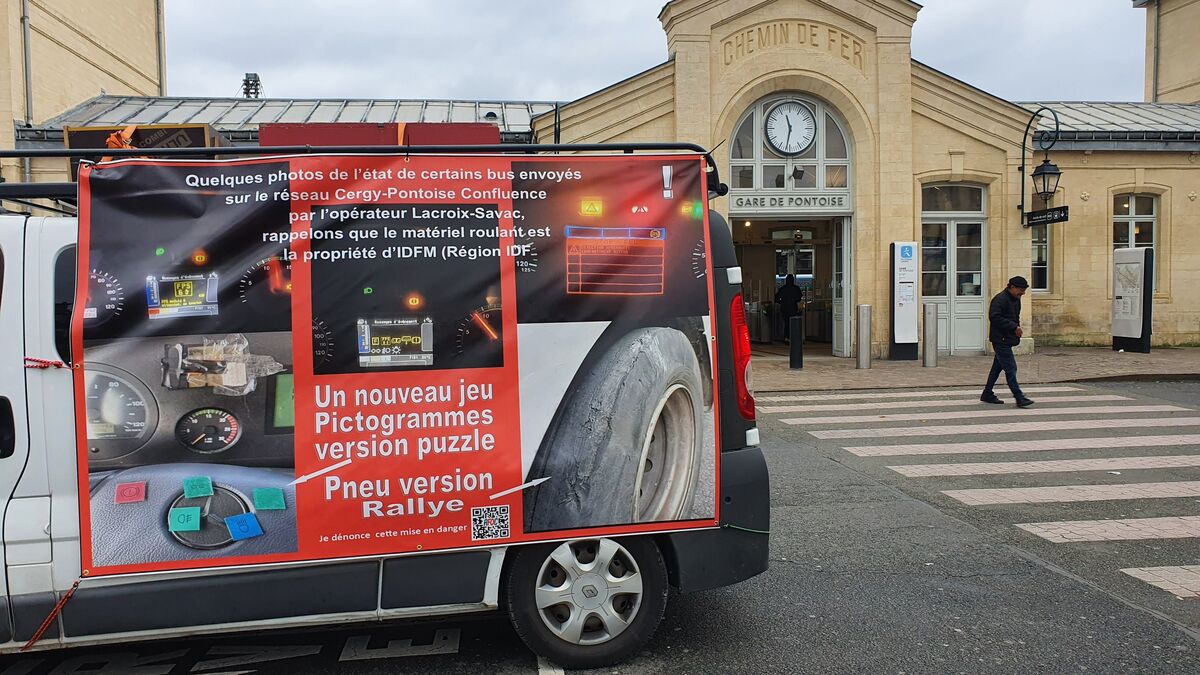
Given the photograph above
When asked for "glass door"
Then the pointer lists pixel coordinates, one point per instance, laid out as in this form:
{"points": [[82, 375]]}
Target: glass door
{"points": [[841, 287], [953, 257]]}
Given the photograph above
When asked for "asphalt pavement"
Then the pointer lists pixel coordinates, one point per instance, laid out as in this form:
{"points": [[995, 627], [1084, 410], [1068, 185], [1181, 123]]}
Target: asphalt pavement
{"points": [[901, 543]]}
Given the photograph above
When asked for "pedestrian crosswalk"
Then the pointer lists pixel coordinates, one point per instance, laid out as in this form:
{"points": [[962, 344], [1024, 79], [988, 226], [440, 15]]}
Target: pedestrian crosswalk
{"points": [[1062, 456]]}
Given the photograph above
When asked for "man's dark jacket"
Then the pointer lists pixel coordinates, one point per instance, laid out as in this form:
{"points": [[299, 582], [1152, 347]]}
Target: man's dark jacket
{"points": [[1005, 316]]}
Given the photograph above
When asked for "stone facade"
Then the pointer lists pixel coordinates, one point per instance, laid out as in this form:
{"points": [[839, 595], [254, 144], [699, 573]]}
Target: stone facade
{"points": [[76, 49], [909, 126], [1171, 29]]}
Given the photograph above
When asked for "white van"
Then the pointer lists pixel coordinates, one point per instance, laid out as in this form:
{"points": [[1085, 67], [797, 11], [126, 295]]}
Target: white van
{"points": [[607, 605]]}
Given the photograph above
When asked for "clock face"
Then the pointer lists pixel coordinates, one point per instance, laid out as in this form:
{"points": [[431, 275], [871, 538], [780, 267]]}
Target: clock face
{"points": [[790, 128]]}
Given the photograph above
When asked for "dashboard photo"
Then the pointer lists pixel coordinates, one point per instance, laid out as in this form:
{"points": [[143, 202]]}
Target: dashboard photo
{"points": [[187, 379]]}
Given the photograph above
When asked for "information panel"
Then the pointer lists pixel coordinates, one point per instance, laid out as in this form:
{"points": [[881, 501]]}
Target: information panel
{"points": [[332, 356]]}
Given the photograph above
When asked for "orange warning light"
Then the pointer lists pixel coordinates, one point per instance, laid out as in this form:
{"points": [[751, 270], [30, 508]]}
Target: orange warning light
{"points": [[199, 257], [591, 206], [414, 301]]}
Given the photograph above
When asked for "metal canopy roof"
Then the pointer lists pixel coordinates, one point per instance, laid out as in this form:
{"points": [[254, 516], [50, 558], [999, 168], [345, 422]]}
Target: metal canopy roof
{"points": [[238, 118], [1124, 126]]}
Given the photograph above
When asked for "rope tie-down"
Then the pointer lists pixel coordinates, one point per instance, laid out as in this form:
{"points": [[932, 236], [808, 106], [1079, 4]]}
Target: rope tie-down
{"points": [[62, 602], [43, 364]]}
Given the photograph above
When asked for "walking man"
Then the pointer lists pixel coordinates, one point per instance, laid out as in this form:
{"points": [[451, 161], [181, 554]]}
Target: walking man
{"points": [[788, 298], [1005, 317]]}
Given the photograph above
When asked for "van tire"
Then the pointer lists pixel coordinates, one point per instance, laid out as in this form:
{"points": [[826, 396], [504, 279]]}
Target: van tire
{"points": [[626, 446], [537, 566]]}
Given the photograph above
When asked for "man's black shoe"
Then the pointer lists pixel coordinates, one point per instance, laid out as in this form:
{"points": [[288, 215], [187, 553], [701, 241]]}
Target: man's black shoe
{"points": [[1024, 403], [991, 399]]}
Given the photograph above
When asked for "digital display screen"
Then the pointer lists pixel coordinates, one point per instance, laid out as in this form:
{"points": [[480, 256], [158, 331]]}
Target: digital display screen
{"points": [[395, 342], [616, 260], [175, 295], [283, 404]]}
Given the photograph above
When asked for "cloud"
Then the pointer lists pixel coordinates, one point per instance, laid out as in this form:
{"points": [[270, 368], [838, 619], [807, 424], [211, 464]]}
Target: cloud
{"points": [[537, 50]]}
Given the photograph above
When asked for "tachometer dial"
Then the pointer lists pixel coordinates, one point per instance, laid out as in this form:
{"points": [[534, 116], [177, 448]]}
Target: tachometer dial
{"points": [[105, 298], [269, 277], [121, 413], [322, 343], [699, 260], [479, 334], [208, 430]]}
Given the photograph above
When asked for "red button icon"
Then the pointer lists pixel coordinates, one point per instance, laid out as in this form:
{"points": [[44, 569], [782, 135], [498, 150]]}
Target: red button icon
{"points": [[130, 493]]}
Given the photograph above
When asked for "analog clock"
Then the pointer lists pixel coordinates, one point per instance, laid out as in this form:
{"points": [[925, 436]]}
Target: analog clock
{"points": [[790, 128]]}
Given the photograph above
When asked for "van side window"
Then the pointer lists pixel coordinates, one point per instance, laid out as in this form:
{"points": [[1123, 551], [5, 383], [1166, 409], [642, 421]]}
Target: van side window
{"points": [[64, 301]]}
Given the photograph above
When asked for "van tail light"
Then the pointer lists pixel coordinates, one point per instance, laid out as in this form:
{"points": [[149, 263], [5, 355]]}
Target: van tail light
{"points": [[741, 358]]}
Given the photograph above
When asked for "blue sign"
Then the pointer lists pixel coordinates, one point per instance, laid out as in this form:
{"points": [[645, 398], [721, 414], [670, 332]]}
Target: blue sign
{"points": [[906, 252]]}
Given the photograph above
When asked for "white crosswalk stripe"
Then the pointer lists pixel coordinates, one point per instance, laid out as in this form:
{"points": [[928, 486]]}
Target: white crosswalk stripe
{"points": [[878, 405], [1110, 439], [1006, 428], [878, 395], [1049, 466], [962, 415], [989, 447]]}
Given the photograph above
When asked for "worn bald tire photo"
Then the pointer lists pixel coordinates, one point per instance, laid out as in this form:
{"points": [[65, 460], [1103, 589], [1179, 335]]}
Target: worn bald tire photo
{"points": [[587, 603], [627, 445]]}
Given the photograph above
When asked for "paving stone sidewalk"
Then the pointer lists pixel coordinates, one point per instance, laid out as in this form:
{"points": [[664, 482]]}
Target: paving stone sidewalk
{"points": [[1049, 364]]}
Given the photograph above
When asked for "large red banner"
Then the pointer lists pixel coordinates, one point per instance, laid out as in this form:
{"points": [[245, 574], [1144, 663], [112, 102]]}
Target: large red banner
{"points": [[305, 358]]}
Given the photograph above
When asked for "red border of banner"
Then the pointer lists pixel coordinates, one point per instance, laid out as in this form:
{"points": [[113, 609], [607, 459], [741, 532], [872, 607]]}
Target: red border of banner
{"points": [[81, 289]]}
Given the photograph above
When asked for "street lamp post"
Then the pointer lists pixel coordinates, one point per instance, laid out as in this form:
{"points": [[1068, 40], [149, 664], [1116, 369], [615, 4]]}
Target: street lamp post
{"points": [[1046, 175]]}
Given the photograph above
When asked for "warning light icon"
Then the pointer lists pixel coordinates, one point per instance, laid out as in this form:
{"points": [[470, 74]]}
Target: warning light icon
{"points": [[591, 207]]}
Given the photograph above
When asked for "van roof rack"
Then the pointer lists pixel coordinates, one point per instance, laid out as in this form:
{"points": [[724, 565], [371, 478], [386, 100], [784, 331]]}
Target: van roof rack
{"points": [[67, 191]]}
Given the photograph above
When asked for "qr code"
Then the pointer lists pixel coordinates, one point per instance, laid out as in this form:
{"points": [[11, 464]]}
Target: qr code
{"points": [[489, 522]]}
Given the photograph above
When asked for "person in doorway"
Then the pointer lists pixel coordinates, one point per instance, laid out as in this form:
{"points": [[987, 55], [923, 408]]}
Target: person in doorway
{"points": [[787, 299], [1005, 318]]}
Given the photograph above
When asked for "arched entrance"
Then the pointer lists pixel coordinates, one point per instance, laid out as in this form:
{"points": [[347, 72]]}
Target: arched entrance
{"points": [[791, 205]]}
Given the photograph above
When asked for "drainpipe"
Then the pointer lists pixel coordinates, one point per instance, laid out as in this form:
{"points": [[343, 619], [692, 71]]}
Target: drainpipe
{"points": [[158, 35], [1157, 23], [26, 167]]}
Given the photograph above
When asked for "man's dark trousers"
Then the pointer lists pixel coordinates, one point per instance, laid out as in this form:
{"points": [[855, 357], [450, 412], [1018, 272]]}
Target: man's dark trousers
{"points": [[1004, 361]]}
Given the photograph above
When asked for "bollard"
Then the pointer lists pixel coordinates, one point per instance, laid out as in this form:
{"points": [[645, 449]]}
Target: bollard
{"points": [[796, 336], [864, 337], [929, 337]]}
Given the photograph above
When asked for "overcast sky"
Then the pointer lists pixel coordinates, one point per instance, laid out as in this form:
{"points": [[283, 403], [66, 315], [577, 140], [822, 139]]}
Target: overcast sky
{"points": [[563, 49]]}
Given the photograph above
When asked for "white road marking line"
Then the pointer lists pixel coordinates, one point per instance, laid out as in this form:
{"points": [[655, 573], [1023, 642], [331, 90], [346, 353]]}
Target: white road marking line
{"points": [[1183, 581], [982, 413], [326, 470], [1048, 466], [522, 486], [1127, 529], [547, 668], [1008, 428], [1101, 443], [878, 405], [933, 393], [1076, 493], [358, 647]]}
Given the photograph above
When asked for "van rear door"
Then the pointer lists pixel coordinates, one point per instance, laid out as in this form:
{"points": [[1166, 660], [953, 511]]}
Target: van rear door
{"points": [[14, 430]]}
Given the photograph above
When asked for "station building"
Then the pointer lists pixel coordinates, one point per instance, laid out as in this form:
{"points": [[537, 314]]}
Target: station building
{"points": [[835, 143]]}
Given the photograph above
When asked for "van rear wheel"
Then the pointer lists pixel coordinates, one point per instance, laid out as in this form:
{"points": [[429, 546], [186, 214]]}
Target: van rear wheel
{"points": [[587, 603]]}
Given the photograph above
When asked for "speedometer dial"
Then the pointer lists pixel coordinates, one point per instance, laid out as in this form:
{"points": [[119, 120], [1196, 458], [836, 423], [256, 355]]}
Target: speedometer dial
{"points": [[105, 298], [121, 413]]}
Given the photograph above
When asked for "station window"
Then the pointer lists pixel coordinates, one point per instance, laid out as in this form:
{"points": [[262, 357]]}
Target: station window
{"points": [[1039, 279], [1135, 224], [825, 164]]}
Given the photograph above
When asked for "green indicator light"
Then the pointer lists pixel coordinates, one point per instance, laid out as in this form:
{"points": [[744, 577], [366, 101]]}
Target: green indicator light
{"points": [[698, 210], [368, 290], [160, 251]]}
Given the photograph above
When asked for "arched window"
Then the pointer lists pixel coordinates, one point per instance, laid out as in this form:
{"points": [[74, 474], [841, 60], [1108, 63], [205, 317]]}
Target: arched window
{"points": [[790, 160]]}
